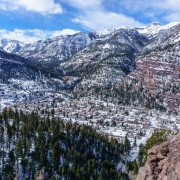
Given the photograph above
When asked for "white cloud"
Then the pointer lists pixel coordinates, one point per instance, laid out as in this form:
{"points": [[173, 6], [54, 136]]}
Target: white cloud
{"points": [[92, 15], [172, 7], [171, 4], [85, 4], [31, 35], [41, 6], [173, 17], [102, 20], [8, 7], [169, 9]]}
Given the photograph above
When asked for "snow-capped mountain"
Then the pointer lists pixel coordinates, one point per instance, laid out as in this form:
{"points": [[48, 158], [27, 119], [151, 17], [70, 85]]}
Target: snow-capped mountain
{"points": [[109, 31], [56, 49], [104, 58], [10, 46], [108, 59], [154, 28], [19, 72], [167, 34], [49, 50], [156, 79]]}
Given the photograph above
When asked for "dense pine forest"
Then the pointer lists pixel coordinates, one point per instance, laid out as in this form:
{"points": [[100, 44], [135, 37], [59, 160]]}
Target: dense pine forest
{"points": [[48, 148]]}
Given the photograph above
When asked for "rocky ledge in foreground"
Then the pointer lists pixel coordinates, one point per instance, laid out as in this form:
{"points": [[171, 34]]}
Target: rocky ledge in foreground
{"points": [[163, 161]]}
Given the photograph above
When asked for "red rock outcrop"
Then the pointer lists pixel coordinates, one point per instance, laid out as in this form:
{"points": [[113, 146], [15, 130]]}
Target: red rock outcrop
{"points": [[160, 80], [163, 161], [157, 76]]}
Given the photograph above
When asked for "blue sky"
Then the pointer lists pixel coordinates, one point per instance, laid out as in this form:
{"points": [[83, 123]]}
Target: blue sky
{"points": [[30, 20]]}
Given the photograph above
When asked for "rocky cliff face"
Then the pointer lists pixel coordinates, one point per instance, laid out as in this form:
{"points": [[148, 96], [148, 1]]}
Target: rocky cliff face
{"points": [[157, 75], [163, 162]]}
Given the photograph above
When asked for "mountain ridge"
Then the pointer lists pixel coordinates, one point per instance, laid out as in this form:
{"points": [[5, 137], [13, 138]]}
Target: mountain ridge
{"points": [[117, 57]]}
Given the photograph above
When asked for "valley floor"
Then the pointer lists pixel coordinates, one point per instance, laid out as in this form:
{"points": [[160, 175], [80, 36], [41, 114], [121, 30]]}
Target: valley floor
{"points": [[107, 117]]}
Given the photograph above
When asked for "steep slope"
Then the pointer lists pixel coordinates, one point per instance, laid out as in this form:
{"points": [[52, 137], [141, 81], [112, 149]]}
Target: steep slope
{"points": [[163, 162], [55, 50], [14, 69], [10, 46], [155, 82], [106, 60], [161, 35], [21, 82]]}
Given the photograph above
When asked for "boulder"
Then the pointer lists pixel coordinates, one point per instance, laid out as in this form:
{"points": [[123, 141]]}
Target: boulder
{"points": [[163, 161]]}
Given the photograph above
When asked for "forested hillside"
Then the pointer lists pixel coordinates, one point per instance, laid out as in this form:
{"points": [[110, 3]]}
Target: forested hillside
{"points": [[51, 149]]}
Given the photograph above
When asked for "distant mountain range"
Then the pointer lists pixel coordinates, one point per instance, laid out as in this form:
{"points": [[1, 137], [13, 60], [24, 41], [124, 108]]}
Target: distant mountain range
{"points": [[144, 61]]}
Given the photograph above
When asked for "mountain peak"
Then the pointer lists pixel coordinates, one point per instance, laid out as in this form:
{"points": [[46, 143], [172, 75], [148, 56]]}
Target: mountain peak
{"points": [[108, 31], [154, 24], [10, 46], [155, 27]]}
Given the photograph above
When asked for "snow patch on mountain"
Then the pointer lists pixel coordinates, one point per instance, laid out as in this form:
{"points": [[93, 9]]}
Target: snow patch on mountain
{"points": [[155, 27], [109, 31]]}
